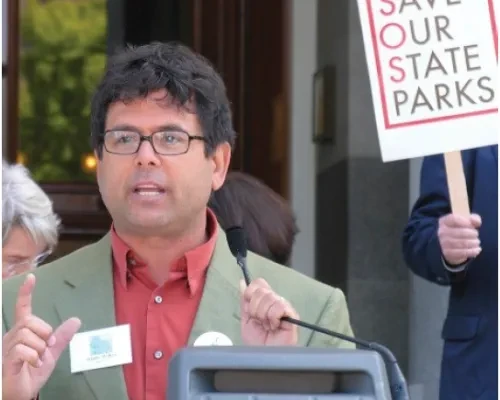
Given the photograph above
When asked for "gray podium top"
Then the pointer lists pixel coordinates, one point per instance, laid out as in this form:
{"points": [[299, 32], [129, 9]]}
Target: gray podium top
{"points": [[276, 373]]}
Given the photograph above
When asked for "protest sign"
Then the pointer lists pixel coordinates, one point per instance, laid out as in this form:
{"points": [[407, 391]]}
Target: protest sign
{"points": [[433, 74]]}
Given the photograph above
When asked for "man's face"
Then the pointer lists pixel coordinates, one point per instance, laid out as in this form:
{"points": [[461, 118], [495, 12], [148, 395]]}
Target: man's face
{"points": [[152, 194]]}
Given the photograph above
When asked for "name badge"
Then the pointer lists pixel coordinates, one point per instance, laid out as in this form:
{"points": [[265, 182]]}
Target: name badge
{"points": [[100, 348]]}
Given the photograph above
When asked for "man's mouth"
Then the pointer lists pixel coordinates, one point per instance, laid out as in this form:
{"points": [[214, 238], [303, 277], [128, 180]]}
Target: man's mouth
{"points": [[149, 190]]}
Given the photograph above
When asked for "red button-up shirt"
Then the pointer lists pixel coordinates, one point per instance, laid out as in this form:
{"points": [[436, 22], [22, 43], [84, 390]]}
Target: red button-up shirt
{"points": [[160, 317]]}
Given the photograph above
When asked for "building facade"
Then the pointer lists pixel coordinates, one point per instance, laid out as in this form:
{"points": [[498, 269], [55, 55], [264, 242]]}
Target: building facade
{"points": [[351, 207]]}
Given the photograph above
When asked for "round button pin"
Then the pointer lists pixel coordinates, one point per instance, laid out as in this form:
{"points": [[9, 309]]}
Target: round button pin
{"points": [[158, 354], [213, 339]]}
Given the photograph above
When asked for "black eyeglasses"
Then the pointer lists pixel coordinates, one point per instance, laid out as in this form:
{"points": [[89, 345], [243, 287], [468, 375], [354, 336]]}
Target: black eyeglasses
{"points": [[169, 143]]}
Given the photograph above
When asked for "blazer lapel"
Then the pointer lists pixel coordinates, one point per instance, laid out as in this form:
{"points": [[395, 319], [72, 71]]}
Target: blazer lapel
{"points": [[219, 308], [89, 295]]}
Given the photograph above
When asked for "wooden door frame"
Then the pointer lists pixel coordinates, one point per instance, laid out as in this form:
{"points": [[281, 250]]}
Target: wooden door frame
{"points": [[78, 224], [11, 68]]}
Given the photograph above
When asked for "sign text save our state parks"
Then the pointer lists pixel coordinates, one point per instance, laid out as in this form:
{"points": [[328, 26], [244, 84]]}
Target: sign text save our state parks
{"points": [[433, 74]]}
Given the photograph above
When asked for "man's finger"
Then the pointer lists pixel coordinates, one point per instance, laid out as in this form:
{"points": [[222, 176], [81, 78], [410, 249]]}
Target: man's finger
{"points": [[261, 309], [473, 253], [255, 285], [259, 296], [31, 340], [34, 324], [23, 303], [63, 335], [476, 221], [456, 221], [275, 313], [461, 255], [462, 233], [461, 244], [21, 354], [281, 308]]}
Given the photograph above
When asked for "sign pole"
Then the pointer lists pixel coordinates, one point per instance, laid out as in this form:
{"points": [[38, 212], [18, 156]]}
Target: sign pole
{"points": [[457, 186]]}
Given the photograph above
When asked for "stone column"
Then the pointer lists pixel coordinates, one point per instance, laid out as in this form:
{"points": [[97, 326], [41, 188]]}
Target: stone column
{"points": [[362, 203]]}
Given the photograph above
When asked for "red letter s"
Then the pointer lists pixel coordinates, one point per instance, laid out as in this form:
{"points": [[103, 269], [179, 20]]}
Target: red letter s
{"points": [[391, 5], [394, 66]]}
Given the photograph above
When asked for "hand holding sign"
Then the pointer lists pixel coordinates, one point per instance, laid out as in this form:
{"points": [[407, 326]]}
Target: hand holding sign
{"points": [[459, 238], [433, 74], [30, 350]]}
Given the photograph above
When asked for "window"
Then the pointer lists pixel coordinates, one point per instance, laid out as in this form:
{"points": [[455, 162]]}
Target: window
{"points": [[62, 55], [57, 51], [56, 54]]}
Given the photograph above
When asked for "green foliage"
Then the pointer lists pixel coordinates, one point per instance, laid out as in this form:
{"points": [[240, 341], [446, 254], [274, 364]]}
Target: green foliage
{"points": [[62, 57]]}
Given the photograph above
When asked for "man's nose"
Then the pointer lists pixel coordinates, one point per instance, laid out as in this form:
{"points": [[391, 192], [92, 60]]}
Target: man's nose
{"points": [[146, 155]]}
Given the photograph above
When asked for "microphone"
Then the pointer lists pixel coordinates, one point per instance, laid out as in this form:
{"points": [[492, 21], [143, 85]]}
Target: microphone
{"points": [[399, 389], [238, 245]]}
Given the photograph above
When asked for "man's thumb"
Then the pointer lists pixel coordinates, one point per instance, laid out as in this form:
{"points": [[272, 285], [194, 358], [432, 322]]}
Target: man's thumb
{"points": [[63, 335]]}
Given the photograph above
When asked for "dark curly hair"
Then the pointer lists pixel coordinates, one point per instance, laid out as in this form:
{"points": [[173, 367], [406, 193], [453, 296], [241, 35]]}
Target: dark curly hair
{"points": [[189, 79]]}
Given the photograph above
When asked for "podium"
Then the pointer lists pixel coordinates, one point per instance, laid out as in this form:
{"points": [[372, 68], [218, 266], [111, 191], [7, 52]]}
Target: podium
{"points": [[276, 373]]}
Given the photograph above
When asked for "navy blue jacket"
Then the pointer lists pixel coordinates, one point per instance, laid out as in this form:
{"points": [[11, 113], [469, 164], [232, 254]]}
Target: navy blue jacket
{"points": [[470, 331]]}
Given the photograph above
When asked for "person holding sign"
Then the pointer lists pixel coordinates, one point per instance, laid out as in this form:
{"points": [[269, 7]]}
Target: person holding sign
{"points": [[461, 251]]}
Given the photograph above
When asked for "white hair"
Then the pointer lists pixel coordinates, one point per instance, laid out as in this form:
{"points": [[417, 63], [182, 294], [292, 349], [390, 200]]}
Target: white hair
{"points": [[25, 204]]}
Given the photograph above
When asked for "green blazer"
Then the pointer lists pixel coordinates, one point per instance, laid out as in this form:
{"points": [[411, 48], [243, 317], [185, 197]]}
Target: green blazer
{"points": [[81, 285]]}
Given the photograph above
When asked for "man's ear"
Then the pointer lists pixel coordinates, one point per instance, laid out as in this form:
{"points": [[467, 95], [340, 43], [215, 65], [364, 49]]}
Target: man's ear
{"points": [[221, 159]]}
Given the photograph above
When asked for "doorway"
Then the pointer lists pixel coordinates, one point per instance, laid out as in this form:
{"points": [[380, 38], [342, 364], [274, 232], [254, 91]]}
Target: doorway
{"points": [[246, 40]]}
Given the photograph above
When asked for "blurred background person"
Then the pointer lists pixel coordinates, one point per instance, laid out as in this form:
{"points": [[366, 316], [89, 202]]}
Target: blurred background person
{"points": [[266, 218], [461, 252], [29, 224]]}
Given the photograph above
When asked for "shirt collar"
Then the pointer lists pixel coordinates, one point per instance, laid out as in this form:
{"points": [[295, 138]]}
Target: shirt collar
{"points": [[190, 266]]}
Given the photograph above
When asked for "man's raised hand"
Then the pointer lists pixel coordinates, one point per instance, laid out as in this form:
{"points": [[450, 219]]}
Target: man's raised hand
{"points": [[31, 348]]}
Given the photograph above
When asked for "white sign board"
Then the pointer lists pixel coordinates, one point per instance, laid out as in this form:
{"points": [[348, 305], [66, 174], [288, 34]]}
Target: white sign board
{"points": [[433, 74]]}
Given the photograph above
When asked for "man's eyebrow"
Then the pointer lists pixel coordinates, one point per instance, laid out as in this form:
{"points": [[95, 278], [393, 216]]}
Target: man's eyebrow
{"points": [[123, 127], [161, 128]]}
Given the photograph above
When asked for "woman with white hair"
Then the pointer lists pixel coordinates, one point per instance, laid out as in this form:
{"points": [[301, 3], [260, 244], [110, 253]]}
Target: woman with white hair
{"points": [[29, 224]]}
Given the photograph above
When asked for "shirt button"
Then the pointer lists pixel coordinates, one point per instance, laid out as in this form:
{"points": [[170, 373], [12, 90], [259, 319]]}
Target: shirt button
{"points": [[158, 354], [158, 299]]}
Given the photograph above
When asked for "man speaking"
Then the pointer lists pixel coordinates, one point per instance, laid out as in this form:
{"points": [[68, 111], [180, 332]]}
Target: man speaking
{"points": [[163, 276]]}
